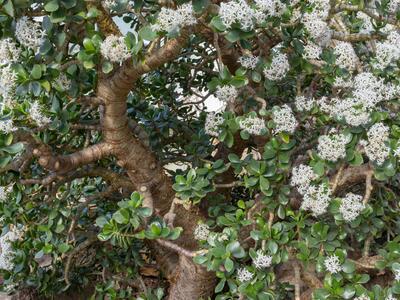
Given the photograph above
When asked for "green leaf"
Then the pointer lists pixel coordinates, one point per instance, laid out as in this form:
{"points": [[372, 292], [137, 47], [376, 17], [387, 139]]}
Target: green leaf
{"points": [[13, 149], [217, 23], [233, 36], [228, 264], [220, 286], [121, 216], [63, 248], [9, 8], [348, 267], [51, 6], [146, 33], [36, 72], [89, 45], [107, 67]]}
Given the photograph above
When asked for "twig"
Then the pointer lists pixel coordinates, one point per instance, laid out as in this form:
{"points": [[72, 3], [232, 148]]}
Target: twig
{"points": [[216, 45], [368, 186], [297, 281], [337, 178], [179, 249]]}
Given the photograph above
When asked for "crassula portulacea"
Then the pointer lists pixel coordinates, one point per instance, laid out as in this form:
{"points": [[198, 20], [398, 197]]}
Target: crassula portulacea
{"points": [[237, 149]]}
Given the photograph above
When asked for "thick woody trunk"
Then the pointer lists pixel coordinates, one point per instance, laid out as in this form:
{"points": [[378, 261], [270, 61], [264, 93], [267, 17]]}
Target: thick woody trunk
{"points": [[188, 281]]}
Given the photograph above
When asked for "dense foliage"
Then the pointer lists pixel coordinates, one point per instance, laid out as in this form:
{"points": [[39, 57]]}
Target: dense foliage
{"points": [[115, 160]]}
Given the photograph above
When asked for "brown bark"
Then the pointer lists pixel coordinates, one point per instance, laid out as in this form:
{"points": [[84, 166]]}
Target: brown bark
{"points": [[188, 281]]}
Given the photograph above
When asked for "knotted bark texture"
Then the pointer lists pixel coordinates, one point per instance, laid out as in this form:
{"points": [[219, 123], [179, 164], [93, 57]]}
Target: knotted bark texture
{"points": [[188, 280]]}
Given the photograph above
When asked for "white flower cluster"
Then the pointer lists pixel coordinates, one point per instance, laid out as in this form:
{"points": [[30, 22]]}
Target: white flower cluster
{"points": [[213, 121], [253, 125], [393, 6], [366, 27], [351, 207], [237, 12], [9, 52], [29, 33], [346, 57], [284, 119], [278, 68], [332, 264], [63, 82], [244, 275], [272, 8], [312, 51], [316, 199], [388, 51], [362, 297], [303, 103], [114, 49], [368, 91], [376, 148], [7, 254], [397, 275], [109, 4], [317, 28], [262, 260], [7, 126], [201, 232], [170, 20], [4, 192], [37, 115], [217, 236], [333, 146], [390, 297], [302, 175], [249, 61], [226, 93], [8, 80]]}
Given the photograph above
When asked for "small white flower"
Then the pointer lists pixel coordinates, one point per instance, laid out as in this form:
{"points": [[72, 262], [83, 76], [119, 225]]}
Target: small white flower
{"points": [[226, 93], [316, 199], [237, 12], [7, 254], [272, 8], [170, 20], [278, 68], [317, 28], [201, 232], [302, 176], [262, 260], [213, 121], [63, 82], [312, 51], [304, 104], [252, 125], [29, 33], [109, 4], [332, 264], [9, 52], [249, 61], [284, 119], [397, 275], [7, 126], [37, 115], [332, 147], [8, 81], [4, 192], [376, 148], [244, 275], [345, 55], [390, 297], [114, 49], [351, 207]]}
